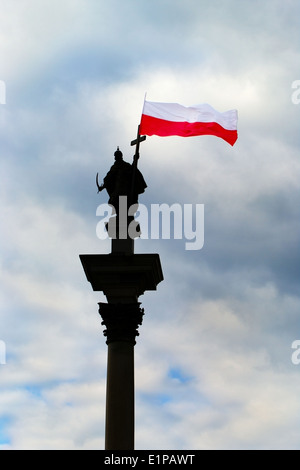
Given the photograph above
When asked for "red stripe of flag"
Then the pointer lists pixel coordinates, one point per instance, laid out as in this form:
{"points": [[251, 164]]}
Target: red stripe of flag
{"points": [[163, 128]]}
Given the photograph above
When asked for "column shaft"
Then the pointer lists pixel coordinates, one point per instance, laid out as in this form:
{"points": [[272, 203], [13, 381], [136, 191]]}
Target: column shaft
{"points": [[122, 322], [119, 432]]}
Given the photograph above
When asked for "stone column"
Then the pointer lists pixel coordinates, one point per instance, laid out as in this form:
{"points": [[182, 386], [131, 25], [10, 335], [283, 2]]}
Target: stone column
{"points": [[122, 276], [121, 321]]}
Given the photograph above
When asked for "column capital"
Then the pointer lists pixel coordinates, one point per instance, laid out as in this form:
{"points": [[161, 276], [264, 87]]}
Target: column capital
{"points": [[121, 321], [123, 278]]}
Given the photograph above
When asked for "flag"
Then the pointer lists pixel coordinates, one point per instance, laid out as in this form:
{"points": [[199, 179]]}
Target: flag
{"points": [[166, 119]]}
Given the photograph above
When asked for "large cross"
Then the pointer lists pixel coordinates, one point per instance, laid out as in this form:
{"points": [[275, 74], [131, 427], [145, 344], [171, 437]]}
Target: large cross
{"points": [[137, 141]]}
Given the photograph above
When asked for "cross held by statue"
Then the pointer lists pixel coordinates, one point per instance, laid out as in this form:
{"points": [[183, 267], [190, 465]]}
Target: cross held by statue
{"points": [[137, 141]]}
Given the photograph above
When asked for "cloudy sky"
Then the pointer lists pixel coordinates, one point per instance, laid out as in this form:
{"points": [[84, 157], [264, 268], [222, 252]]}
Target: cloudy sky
{"points": [[213, 359]]}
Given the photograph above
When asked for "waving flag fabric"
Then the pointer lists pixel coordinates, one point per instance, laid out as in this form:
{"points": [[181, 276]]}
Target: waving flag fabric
{"points": [[166, 119]]}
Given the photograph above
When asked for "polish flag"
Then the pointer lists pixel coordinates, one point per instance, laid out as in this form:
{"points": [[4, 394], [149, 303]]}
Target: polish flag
{"points": [[165, 119]]}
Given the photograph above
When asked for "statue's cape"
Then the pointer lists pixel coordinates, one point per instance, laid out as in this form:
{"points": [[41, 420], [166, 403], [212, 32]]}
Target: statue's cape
{"points": [[118, 180], [140, 183]]}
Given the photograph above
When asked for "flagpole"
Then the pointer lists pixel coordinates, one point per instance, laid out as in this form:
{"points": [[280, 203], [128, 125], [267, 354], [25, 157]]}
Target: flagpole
{"points": [[135, 163], [137, 148], [135, 142]]}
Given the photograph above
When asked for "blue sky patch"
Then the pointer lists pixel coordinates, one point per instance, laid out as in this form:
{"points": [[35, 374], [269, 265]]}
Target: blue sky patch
{"points": [[178, 374], [4, 422]]}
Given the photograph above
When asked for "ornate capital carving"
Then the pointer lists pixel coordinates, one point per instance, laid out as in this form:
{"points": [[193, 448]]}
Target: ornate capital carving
{"points": [[121, 321]]}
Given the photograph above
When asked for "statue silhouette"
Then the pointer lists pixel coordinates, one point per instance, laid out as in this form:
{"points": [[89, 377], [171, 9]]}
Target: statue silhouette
{"points": [[123, 179]]}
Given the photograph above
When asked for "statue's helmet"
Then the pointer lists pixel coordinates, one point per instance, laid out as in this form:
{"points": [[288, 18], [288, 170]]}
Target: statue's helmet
{"points": [[118, 154]]}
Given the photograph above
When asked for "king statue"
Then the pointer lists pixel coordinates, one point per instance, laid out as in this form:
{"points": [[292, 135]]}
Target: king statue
{"points": [[123, 179]]}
